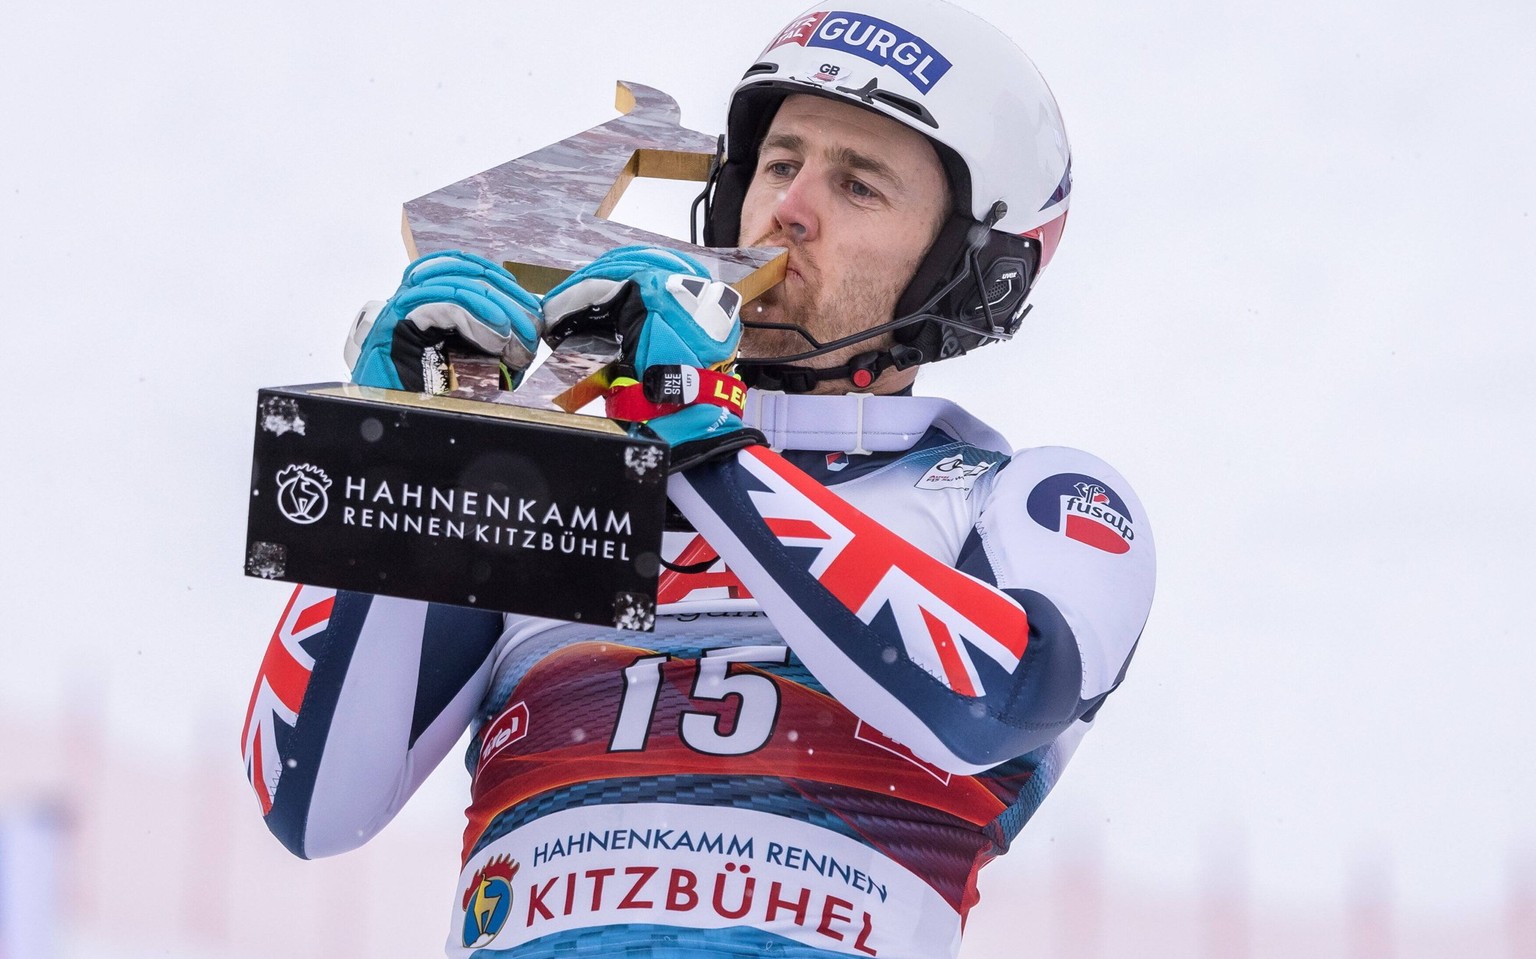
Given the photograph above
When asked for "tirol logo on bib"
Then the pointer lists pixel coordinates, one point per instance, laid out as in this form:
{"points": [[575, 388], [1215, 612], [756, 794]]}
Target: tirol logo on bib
{"points": [[872, 39]]}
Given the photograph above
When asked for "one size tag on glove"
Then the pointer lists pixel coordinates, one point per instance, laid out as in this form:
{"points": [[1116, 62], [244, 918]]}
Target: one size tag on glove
{"points": [[672, 384]]}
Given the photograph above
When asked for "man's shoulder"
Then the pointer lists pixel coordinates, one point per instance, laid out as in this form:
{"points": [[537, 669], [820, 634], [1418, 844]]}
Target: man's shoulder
{"points": [[1052, 459], [1070, 505]]}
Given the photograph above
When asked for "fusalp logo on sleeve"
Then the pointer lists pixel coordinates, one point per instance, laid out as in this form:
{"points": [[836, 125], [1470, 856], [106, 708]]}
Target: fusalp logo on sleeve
{"points": [[1084, 509], [872, 39]]}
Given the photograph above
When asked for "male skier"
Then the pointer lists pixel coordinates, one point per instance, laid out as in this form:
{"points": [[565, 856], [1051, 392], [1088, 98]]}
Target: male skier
{"points": [[884, 633]]}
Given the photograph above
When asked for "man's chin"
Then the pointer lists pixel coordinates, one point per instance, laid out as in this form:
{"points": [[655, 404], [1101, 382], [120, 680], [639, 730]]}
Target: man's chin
{"points": [[781, 306], [770, 344], [754, 337], [760, 345]]}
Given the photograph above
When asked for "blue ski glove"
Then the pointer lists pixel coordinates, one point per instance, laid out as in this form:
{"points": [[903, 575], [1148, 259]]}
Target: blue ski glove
{"points": [[678, 330], [445, 300]]}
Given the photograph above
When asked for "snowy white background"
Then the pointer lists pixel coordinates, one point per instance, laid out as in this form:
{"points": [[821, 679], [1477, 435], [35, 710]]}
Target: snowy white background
{"points": [[1288, 307]]}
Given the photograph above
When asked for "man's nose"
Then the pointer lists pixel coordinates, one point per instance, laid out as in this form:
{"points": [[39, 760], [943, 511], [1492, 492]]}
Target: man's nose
{"points": [[797, 209]]}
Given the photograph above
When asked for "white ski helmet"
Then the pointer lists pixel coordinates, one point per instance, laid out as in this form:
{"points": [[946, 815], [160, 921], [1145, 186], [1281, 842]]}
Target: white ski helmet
{"points": [[968, 88]]}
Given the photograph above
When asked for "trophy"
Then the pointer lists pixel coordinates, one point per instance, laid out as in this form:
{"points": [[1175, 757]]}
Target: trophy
{"points": [[482, 497]]}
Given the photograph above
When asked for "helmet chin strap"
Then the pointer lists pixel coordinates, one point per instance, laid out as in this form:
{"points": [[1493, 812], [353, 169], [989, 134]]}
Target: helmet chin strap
{"points": [[862, 370], [784, 372]]}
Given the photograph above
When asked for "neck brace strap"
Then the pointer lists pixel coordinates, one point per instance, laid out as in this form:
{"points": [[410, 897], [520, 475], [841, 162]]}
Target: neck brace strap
{"points": [[861, 422]]}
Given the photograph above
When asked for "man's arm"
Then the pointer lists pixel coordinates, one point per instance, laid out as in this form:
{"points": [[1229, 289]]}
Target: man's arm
{"points": [[361, 696], [968, 667], [358, 699]]}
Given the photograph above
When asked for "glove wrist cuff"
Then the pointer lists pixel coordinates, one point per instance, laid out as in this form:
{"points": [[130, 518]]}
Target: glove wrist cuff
{"points": [[667, 389]]}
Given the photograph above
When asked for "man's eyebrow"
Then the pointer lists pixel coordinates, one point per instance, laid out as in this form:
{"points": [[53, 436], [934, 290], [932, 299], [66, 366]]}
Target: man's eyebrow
{"points": [[841, 156], [784, 141], [864, 163]]}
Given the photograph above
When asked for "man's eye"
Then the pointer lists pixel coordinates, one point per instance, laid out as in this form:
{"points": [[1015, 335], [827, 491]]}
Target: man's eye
{"points": [[861, 190], [780, 168]]}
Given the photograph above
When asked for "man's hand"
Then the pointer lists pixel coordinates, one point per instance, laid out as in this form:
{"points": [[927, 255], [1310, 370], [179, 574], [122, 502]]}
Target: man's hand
{"points": [[678, 329], [449, 300]]}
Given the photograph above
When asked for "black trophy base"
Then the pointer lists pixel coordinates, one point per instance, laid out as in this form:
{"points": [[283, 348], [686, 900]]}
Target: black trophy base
{"points": [[456, 501]]}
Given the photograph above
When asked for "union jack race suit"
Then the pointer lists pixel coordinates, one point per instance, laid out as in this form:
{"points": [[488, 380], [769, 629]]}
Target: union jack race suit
{"points": [[870, 671]]}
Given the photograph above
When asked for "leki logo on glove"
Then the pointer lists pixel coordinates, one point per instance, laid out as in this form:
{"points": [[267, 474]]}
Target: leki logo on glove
{"points": [[868, 38], [1084, 509], [302, 493], [488, 901]]}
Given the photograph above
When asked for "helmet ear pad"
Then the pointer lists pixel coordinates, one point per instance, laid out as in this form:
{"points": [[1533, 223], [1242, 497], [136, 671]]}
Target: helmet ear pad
{"points": [[991, 273], [722, 212], [752, 113]]}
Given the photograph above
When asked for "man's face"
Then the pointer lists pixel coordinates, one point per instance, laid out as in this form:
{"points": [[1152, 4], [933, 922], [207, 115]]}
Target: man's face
{"points": [[857, 198]]}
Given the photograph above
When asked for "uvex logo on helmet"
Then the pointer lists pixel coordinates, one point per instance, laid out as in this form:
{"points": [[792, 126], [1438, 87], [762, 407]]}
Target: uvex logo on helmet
{"points": [[872, 39]]}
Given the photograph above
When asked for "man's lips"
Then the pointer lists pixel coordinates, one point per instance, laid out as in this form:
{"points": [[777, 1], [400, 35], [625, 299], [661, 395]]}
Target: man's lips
{"points": [[791, 269], [774, 295]]}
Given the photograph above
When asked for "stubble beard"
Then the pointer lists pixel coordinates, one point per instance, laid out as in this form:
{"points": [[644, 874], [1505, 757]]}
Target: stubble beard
{"points": [[860, 299]]}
